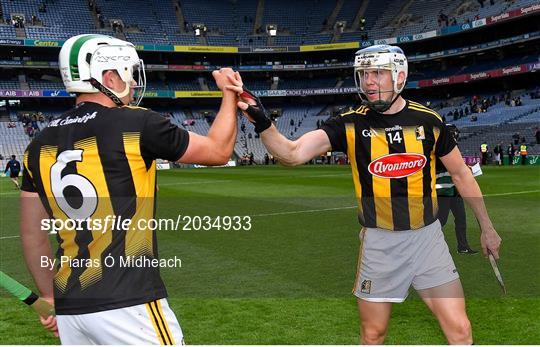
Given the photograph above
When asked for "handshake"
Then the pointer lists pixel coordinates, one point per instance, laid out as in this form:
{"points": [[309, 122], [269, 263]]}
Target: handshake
{"points": [[249, 103]]}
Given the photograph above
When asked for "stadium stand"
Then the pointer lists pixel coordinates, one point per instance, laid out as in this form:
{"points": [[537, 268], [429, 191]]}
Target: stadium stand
{"points": [[237, 23], [233, 22], [13, 140], [56, 24]]}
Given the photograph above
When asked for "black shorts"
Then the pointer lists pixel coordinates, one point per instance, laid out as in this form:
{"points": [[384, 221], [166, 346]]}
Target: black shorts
{"points": [[13, 174]]}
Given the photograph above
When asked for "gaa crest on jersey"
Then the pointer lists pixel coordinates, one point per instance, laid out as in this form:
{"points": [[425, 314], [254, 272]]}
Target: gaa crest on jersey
{"points": [[420, 134], [397, 165], [365, 287]]}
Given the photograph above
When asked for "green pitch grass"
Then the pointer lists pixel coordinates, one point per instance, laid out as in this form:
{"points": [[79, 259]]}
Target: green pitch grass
{"points": [[288, 280]]}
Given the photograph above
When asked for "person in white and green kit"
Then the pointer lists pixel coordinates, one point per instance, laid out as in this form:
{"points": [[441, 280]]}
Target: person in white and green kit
{"points": [[449, 200]]}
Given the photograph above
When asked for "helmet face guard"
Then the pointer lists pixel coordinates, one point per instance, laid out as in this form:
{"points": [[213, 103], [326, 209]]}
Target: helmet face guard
{"points": [[139, 76], [376, 59]]}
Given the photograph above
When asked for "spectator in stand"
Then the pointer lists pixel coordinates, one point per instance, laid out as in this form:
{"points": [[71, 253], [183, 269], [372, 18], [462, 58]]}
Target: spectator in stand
{"points": [[537, 135], [485, 105]]}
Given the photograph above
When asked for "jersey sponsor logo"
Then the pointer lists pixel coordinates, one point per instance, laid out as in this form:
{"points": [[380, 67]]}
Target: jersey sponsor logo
{"points": [[397, 165], [68, 120]]}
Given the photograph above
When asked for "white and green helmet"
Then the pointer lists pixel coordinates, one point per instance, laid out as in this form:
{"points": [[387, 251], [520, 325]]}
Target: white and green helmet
{"points": [[84, 58]]}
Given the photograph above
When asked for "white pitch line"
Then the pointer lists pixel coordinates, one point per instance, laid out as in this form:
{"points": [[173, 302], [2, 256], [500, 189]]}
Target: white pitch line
{"points": [[215, 181], [250, 179], [11, 193], [190, 183], [16, 236], [350, 207], [513, 193], [303, 211]]}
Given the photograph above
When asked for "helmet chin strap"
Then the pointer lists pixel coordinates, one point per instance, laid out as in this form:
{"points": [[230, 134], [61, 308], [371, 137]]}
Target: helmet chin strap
{"points": [[380, 106], [109, 93]]}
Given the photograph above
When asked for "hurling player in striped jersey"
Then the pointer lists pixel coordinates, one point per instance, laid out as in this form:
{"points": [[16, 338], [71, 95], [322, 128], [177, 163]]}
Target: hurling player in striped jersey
{"points": [[392, 144]]}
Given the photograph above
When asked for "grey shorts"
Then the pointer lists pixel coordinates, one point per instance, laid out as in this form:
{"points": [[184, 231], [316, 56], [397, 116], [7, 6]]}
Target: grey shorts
{"points": [[391, 261]]}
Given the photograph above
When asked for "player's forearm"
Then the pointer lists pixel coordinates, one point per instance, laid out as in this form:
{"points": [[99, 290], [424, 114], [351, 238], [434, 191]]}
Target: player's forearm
{"points": [[35, 243], [471, 193], [223, 129], [34, 248], [280, 147]]}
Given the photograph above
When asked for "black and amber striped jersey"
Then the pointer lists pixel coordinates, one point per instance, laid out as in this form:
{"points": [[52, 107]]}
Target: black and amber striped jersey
{"points": [[94, 164], [393, 163]]}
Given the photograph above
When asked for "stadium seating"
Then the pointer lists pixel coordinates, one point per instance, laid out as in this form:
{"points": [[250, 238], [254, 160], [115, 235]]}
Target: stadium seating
{"points": [[13, 140], [7, 31], [285, 14], [40, 85], [348, 11], [10, 84], [232, 22], [61, 20]]}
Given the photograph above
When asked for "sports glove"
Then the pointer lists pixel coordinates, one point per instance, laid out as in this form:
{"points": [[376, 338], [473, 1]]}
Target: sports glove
{"points": [[257, 112]]}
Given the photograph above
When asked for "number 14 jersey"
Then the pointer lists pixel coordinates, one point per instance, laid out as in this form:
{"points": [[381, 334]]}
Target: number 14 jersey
{"points": [[393, 163]]}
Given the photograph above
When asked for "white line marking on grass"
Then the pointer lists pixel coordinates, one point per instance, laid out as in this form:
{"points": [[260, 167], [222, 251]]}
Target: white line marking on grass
{"points": [[513, 193], [303, 211], [191, 183], [16, 236], [351, 207], [8, 237], [11, 193], [248, 179]]}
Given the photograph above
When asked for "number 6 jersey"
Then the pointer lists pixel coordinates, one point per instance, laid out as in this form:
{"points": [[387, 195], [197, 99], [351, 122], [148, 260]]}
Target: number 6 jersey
{"points": [[93, 167]]}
